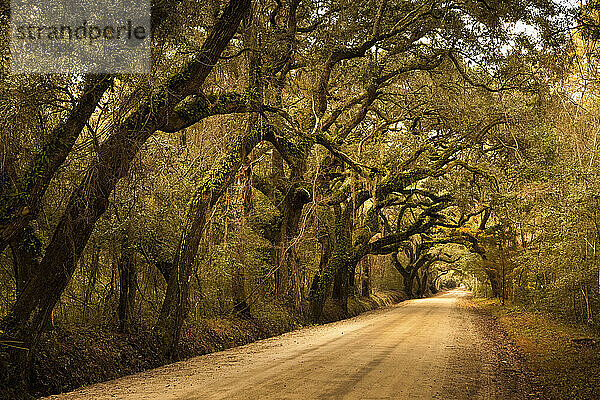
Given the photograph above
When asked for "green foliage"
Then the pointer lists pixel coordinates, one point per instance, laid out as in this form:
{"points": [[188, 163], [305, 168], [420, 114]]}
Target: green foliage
{"points": [[432, 111]]}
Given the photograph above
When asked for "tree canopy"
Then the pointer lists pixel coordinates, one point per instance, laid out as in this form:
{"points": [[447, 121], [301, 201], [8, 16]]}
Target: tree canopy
{"points": [[281, 151]]}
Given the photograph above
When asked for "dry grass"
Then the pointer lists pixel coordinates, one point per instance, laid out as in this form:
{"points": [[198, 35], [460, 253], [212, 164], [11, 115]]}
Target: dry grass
{"points": [[566, 370]]}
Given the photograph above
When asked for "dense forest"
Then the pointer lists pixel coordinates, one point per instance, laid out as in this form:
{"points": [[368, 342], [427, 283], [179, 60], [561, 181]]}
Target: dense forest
{"points": [[287, 157]]}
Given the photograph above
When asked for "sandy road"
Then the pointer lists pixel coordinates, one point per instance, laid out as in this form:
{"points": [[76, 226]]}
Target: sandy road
{"points": [[420, 349]]}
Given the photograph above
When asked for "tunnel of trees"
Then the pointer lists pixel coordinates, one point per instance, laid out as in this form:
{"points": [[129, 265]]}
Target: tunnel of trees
{"points": [[301, 153]]}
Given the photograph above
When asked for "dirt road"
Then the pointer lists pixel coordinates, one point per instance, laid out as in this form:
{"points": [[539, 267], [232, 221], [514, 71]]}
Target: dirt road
{"points": [[433, 348]]}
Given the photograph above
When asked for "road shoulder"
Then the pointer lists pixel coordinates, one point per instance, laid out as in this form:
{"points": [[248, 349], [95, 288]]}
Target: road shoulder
{"points": [[514, 379], [563, 366]]}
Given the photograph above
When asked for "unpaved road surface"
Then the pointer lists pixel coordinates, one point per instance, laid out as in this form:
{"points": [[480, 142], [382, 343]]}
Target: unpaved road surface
{"points": [[435, 348]]}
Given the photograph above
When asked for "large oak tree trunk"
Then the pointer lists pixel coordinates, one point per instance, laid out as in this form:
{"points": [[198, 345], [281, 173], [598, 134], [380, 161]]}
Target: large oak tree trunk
{"points": [[408, 280], [287, 276], [338, 254]]}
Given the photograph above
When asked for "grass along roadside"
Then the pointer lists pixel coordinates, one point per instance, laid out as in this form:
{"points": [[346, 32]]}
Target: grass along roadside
{"points": [[566, 367]]}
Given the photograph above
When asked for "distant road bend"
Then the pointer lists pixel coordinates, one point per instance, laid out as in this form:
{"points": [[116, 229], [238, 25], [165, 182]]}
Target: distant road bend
{"points": [[433, 348]]}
